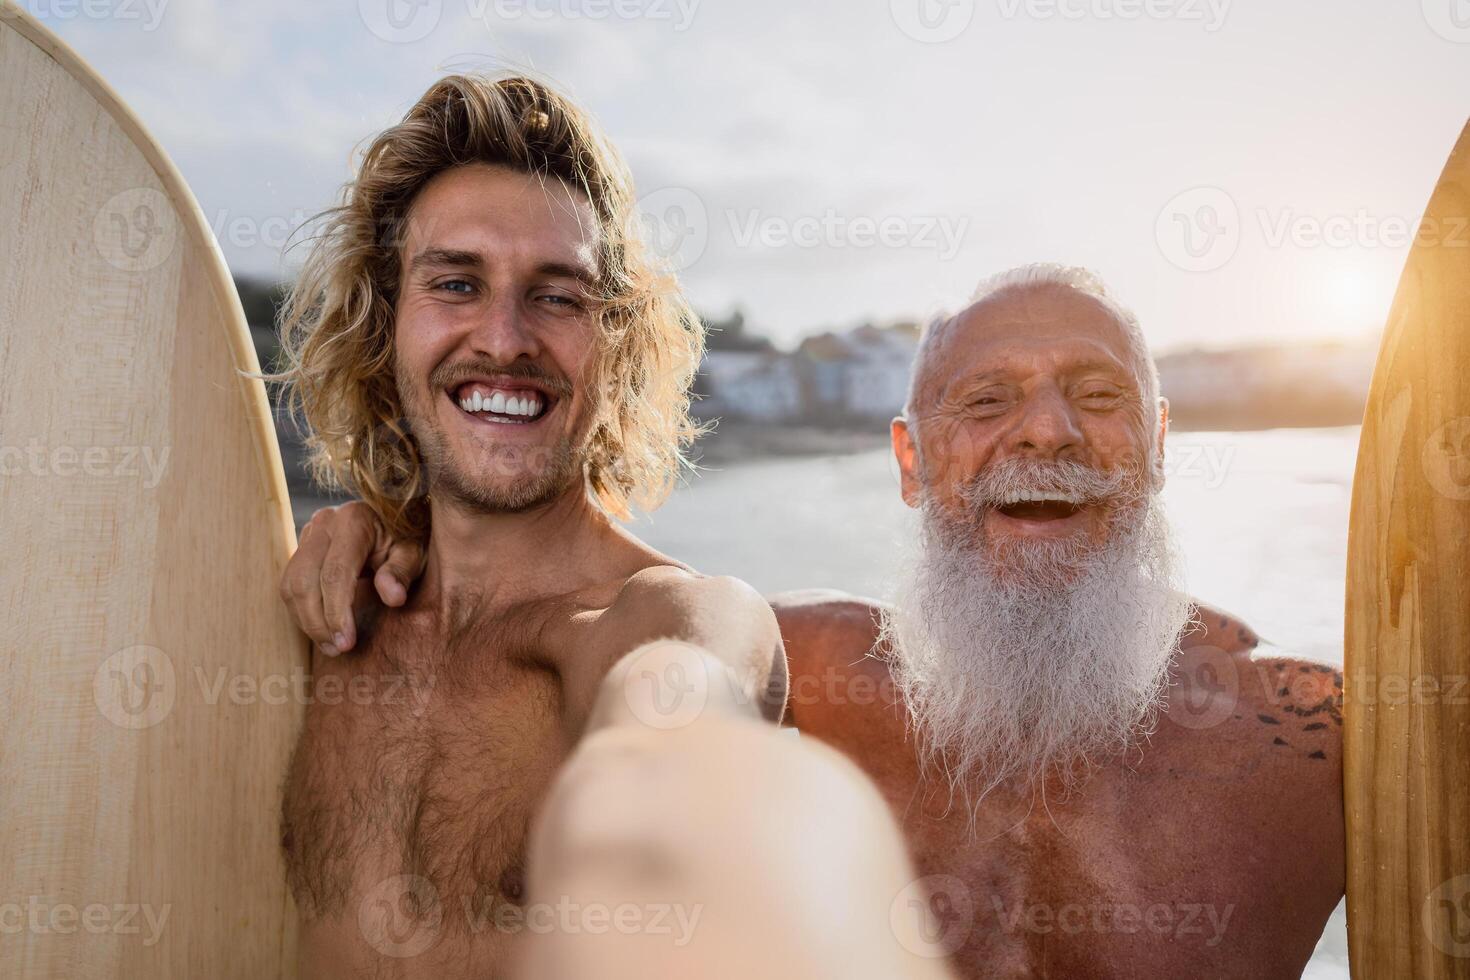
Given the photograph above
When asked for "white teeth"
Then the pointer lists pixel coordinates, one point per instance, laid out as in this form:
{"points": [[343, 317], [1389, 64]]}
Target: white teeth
{"points": [[1030, 496], [498, 403]]}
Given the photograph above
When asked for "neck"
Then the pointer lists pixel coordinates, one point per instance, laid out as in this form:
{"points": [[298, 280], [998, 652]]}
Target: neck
{"points": [[503, 557]]}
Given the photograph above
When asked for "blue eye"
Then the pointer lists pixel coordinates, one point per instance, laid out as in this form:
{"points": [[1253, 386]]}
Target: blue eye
{"points": [[560, 301], [456, 286]]}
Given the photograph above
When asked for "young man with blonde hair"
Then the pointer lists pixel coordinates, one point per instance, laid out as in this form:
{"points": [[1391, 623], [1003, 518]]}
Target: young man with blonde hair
{"points": [[481, 347]]}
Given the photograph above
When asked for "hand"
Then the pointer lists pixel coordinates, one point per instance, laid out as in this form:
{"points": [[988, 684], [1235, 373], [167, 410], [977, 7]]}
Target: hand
{"points": [[704, 824], [343, 565]]}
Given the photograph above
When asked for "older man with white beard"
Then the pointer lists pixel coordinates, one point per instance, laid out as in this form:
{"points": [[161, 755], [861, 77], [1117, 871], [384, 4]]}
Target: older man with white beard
{"points": [[1096, 776]]}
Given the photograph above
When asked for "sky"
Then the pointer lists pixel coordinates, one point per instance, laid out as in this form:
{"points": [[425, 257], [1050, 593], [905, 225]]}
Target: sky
{"points": [[1239, 171]]}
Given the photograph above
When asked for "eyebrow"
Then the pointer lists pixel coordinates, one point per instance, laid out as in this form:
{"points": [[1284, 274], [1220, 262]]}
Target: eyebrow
{"points": [[462, 258], [1105, 366], [1001, 374], [445, 256], [564, 270]]}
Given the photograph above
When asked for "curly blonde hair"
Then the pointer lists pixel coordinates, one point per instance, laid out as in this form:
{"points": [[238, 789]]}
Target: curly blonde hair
{"points": [[337, 323]]}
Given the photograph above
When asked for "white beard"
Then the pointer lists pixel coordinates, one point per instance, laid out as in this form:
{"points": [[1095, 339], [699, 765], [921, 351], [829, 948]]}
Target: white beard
{"points": [[1041, 662]]}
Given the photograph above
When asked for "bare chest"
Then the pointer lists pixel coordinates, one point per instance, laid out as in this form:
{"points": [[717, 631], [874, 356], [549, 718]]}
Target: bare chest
{"points": [[1145, 871], [411, 793], [1054, 895]]}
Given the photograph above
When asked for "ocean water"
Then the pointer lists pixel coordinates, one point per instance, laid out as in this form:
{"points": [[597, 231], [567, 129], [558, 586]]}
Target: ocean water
{"points": [[1261, 518]]}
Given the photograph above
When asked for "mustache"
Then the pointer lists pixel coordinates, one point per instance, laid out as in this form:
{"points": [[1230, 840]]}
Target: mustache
{"points": [[998, 482], [451, 375]]}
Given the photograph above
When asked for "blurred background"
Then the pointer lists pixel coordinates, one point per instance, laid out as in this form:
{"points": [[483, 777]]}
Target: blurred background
{"points": [[1248, 175]]}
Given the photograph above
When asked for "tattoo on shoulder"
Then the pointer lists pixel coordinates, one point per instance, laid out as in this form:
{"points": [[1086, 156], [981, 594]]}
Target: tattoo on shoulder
{"points": [[1300, 692], [1215, 628]]}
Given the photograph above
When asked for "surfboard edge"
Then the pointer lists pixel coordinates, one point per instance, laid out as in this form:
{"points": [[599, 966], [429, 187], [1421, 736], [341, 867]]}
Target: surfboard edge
{"points": [[253, 396]]}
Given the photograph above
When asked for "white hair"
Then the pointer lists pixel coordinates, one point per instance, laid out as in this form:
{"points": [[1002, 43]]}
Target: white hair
{"points": [[1034, 661], [1038, 276]]}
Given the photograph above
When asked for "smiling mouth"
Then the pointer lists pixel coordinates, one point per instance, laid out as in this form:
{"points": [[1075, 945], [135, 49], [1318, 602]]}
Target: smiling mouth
{"points": [[1040, 507], [502, 403]]}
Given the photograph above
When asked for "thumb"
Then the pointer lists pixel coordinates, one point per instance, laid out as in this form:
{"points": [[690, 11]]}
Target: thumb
{"points": [[404, 564]]}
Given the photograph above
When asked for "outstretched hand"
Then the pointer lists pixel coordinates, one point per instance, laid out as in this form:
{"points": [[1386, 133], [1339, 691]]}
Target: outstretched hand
{"points": [[344, 565]]}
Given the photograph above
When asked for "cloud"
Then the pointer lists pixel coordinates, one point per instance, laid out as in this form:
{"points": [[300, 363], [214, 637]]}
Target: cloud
{"points": [[1053, 137]]}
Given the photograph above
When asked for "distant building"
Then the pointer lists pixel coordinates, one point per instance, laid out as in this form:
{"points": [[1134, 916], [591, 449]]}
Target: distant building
{"points": [[861, 375], [756, 386], [831, 379]]}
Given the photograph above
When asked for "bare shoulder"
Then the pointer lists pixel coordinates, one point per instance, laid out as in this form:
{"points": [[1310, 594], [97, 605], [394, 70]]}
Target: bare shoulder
{"points": [[723, 616], [1211, 626], [1258, 734], [1299, 701], [836, 662], [1260, 710], [680, 597], [826, 628]]}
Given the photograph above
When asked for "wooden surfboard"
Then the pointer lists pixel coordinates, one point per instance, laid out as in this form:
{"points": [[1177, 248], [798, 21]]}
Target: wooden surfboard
{"points": [[146, 664], [1407, 704]]}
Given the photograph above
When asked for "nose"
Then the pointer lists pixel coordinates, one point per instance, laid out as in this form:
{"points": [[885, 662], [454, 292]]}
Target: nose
{"points": [[504, 334], [1047, 426]]}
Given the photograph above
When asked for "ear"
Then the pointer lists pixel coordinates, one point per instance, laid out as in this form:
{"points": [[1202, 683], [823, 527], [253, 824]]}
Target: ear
{"points": [[907, 454], [1159, 436]]}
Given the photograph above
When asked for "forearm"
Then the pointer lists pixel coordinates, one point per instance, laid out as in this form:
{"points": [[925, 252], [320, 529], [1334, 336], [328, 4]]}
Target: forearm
{"points": [[761, 856]]}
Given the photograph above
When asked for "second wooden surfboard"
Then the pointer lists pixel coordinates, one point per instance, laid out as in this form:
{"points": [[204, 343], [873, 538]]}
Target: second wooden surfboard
{"points": [[1407, 657]]}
